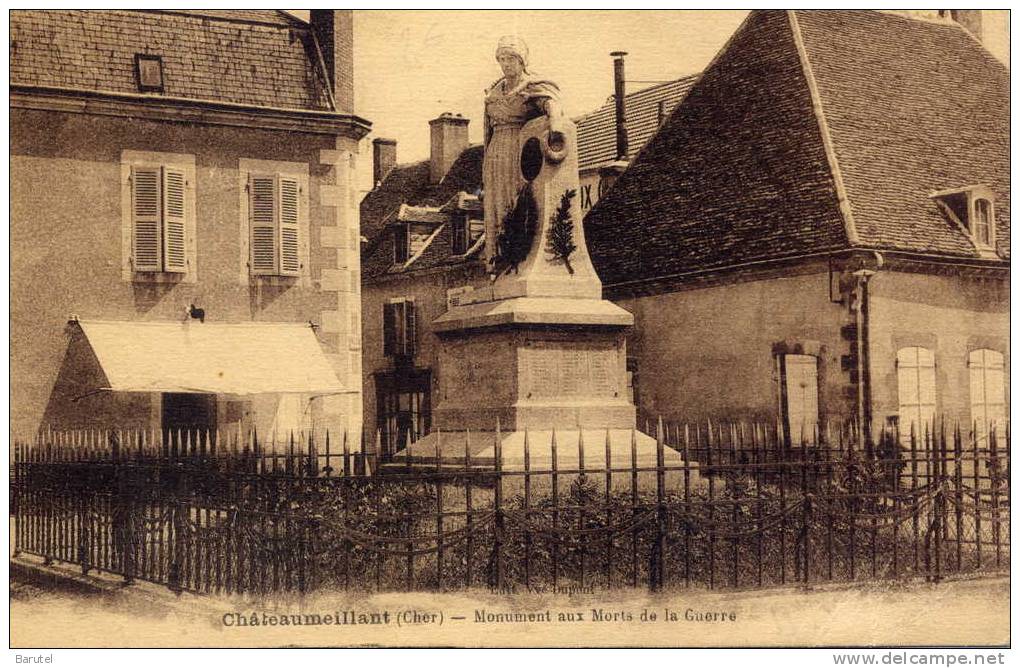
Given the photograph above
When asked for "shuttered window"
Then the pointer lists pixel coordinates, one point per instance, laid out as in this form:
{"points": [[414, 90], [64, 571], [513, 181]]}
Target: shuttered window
{"points": [[158, 210], [399, 328], [274, 219], [174, 251], [987, 392], [800, 392], [915, 377]]}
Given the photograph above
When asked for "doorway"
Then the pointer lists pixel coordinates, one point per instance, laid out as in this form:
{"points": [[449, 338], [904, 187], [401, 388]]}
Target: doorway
{"points": [[187, 414]]}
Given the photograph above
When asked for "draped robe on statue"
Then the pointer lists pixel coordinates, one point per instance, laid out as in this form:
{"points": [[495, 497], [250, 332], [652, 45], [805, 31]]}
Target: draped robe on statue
{"points": [[506, 111]]}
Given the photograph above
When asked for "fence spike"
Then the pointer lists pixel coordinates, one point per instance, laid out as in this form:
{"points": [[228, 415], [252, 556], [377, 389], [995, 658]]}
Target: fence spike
{"points": [[580, 448]]}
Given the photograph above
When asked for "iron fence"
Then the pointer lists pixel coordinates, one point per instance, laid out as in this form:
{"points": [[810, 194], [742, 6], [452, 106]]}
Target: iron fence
{"points": [[739, 507]]}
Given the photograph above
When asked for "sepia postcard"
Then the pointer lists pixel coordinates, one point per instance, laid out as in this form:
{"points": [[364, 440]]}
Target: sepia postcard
{"points": [[510, 328]]}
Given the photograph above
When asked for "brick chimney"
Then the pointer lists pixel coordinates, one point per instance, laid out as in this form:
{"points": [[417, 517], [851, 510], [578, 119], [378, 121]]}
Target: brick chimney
{"points": [[334, 31], [384, 157], [969, 19], [449, 139]]}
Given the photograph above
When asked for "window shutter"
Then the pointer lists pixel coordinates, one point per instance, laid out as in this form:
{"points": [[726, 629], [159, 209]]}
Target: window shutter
{"points": [[290, 263], [145, 210], [801, 396], [262, 215], [389, 329], [409, 327], [174, 189]]}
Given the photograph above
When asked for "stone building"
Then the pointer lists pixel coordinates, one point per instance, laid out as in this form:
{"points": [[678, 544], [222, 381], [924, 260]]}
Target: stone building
{"points": [[184, 224], [821, 228]]}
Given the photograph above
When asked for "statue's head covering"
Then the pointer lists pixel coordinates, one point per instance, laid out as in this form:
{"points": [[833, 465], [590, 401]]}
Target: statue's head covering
{"points": [[516, 45]]}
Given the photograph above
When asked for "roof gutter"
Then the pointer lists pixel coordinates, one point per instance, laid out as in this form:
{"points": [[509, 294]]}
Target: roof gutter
{"points": [[823, 128], [958, 261], [192, 110]]}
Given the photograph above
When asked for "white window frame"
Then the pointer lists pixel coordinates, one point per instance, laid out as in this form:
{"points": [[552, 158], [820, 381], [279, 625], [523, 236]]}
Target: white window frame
{"points": [[298, 171], [915, 367], [130, 161]]}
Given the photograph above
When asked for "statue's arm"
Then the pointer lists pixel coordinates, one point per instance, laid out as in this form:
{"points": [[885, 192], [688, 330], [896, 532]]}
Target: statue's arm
{"points": [[554, 112], [552, 108]]}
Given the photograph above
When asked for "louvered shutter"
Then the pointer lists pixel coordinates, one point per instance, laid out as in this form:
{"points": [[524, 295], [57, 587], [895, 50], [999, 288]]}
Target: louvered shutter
{"points": [[145, 213], [290, 263], [409, 328], [174, 193], [389, 329], [262, 213]]}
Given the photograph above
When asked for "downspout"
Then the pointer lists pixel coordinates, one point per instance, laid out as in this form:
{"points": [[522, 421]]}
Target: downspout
{"points": [[861, 309]]}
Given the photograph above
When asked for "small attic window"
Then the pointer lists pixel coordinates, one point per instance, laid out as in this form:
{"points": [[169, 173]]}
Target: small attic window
{"points": [[149, 70], [982, 227], [973, 209]]}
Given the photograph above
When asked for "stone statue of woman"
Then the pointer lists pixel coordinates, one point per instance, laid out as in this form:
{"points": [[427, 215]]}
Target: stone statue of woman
{"points": [[516, 98]]}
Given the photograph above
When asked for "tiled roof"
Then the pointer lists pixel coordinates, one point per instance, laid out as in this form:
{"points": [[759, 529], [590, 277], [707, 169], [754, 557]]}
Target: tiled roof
{"points": [[256, 57], [739, 173], [270, 16], [915, 108], [409, 184], [596, 132]]}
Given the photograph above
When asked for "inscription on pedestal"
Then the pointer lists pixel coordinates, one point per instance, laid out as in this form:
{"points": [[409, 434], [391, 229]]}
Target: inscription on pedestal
{"points": [[564, 369]]}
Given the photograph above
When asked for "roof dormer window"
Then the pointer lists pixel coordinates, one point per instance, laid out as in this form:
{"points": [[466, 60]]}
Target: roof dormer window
{"points": [[401, 243], [973, 209]]}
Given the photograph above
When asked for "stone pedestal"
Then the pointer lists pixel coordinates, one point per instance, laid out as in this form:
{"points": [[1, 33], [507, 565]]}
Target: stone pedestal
{"points": [[538, 350]]}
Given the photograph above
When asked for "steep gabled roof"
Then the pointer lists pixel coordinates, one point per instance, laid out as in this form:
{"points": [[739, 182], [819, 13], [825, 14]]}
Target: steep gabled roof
{"points": [[912, 107], [252, 57], [799, 110], [738, 172], [596, 132]]}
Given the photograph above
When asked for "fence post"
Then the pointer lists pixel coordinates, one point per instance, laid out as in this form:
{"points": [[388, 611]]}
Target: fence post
{"points": [[527, 510], [996, 473], [124, 512], [657, 575], [498, 546]]}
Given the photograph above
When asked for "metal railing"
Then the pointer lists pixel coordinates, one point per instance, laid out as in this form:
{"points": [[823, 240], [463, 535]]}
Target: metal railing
{"points": [[724, 505]]}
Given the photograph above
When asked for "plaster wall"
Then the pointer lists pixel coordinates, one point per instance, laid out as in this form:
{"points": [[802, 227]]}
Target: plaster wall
{"points": [[67, 250]]}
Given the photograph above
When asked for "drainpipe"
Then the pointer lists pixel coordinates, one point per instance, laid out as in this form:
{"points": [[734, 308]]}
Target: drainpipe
{"points": [[860, 307], [867, 265]]}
